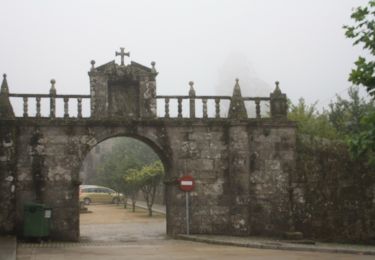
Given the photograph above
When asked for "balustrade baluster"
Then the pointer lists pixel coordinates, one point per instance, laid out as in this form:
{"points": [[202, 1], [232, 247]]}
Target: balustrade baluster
{"points": [[38, 114], [166, 107], [79, 107], [192, 99], [52, 101], [205, 115], [257, 108], [217, 107], [52, 107], [25, 107], [66, 107], [179, 100]]}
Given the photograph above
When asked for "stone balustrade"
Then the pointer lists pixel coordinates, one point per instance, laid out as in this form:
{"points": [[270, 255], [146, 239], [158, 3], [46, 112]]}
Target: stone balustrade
{"points": [[52, 104], [188, 106], [216, 105]]}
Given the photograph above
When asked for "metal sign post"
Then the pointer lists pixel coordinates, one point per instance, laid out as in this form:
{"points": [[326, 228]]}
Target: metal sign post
{"points": [[186, 184], [187, 213]]}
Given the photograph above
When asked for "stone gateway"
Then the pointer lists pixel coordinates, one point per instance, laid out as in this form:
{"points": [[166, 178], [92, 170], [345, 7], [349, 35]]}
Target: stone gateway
{"points": [[242, 165]]}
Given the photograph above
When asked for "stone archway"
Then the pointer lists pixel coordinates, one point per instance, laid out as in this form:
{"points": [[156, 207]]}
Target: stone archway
{"points": [[111, 222], [152, 144], [243, 166]]}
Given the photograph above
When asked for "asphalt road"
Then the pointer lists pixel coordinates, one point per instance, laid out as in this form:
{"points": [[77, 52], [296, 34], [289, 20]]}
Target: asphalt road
{"points": [[111, 232]]}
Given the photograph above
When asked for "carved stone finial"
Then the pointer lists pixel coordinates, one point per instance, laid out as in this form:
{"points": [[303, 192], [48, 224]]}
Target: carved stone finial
{"points": [[4, 85], [237, 89], [6, 110], [52, 90], [279, 104], [192, 90], [237, 109], [153, 70], [92, 64], [277, 90], [122, 54]]}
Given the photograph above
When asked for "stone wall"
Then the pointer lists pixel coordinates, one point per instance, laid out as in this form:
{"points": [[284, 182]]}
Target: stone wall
{"points": [[241, 169], [7, 179], [242, 172], [334, 196]]}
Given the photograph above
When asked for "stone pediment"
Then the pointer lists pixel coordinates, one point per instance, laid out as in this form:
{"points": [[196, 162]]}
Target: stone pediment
{"points": [[123, 90], [134, 71]]}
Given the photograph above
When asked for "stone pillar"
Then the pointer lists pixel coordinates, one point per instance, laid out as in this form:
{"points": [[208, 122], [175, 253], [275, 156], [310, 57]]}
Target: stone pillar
{"points": [[52, 104], [98, 92], [279, 105], [147, 95], [238, 147]]}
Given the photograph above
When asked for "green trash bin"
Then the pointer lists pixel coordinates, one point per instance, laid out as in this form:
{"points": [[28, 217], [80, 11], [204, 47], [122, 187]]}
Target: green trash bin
{"points": [[37, 219]]}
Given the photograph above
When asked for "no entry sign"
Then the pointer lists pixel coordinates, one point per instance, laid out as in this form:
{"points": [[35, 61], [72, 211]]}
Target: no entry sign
{"points": [[186, 183]]}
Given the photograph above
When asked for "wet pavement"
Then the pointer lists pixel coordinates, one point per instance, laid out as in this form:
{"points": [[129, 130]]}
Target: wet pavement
{"points": [[112, 232], [111, 223], [7, 247]]}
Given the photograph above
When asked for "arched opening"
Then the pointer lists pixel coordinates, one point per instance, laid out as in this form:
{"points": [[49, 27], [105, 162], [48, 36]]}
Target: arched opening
{"points": [[122, 195]]}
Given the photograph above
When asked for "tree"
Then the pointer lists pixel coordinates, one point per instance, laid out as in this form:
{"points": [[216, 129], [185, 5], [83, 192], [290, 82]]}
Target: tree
{"points": [[345, 115], [362, 32], [132, 183], [126, 154], [147, 180], [363, 143], [310, 121], [151, 178]]}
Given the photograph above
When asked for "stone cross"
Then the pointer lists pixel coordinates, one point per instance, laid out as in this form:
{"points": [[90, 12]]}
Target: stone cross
{"points": [[122, 53]]}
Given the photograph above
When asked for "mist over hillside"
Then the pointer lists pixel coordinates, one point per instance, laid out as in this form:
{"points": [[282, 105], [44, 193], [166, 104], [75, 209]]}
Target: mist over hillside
{"points": [[237, 65]]}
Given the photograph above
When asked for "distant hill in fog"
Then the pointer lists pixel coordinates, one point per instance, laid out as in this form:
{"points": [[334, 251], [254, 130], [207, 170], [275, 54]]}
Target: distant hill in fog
{"points": [[238, 66]]}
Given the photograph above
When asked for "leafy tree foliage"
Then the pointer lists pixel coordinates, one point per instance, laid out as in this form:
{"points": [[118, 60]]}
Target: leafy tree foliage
{"points": [[350, 120], [147, 180], [362, 144], [345, 115], [310, 121], [132, 181], [362, 32], [152, 176], [126, 154]]}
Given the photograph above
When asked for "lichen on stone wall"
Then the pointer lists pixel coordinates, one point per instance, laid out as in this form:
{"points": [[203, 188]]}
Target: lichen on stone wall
{"points": [[7, 180], [38, 171], [333, 194]]}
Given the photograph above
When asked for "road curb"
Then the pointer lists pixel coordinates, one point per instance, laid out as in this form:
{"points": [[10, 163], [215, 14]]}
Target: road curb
{"points": [[153, 210], [276, 245]]}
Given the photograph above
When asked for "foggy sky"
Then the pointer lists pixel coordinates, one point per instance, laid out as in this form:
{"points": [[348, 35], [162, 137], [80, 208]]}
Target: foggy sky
{"points": [[301, 43]]}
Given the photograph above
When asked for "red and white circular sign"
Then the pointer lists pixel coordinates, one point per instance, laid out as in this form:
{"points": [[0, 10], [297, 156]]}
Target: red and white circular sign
{"points": [[186, 183]]}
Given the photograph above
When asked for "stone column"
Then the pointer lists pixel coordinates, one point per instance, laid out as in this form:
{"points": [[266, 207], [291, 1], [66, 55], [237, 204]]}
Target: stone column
{"points": [[279, 105], [239, 175]]}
